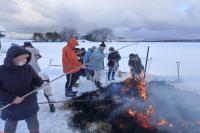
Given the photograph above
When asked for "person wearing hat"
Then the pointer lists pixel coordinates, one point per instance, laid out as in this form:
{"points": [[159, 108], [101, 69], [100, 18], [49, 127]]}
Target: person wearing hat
{"points": [[35, 56], [136, 66], [97, 64], [113, 62], [18, 78]]}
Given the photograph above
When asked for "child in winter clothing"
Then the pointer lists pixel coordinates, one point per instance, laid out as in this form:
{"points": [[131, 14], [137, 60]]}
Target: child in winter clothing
{"points": [[80, 55], [137, 69], [113, 62], [18, 78], [35, 55], [86, 60], [97, 64], [71, 66]]}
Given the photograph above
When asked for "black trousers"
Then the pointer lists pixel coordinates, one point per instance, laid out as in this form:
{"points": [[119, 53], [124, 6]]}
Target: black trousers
{"points": [[71, 79], [111, 72], [32, 124]]}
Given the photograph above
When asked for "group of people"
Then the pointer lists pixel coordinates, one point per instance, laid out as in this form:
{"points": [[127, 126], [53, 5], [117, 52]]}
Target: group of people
{"points": [[21, 74], [91, 64]]}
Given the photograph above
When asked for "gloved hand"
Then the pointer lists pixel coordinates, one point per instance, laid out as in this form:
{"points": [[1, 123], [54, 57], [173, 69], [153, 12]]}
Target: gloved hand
{"points": [[18, 100], [44, 85]]}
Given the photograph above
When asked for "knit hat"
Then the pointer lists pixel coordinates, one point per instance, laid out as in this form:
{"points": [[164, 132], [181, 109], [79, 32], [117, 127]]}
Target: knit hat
{"points": [[103, 44], [111, 49], [27, 44]]}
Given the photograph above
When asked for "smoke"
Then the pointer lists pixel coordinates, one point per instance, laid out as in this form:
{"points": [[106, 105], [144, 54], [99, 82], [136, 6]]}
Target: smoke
{"points": [[177, 106]]}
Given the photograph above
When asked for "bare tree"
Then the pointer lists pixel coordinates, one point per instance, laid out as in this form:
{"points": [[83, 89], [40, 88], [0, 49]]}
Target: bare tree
{"points": [[67, 33], [38, 37], [101, 34]]}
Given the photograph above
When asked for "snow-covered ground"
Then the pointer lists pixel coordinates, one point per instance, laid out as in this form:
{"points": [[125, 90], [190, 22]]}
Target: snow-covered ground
{"points": [[162, 67]]}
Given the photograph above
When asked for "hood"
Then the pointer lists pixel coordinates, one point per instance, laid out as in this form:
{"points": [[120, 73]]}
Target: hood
{"points": [[90, 49], [72, 43], [13, 52], [100, 49]]}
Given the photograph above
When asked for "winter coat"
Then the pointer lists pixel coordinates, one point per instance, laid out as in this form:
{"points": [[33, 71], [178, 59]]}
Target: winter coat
{"points": [[69, 58], [35, 55], [80, 54], [18, 81], [136, 66], [97, 60], [87, 55], [113, 58]]}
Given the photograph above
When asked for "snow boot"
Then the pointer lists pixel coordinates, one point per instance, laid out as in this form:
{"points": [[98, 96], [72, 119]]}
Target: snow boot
{"points": [[71, 94], [113, 75], [51, 105], [109, 73], [52, 108]]}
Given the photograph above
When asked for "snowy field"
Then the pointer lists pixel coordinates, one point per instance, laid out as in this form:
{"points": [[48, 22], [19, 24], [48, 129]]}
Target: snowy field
{"points": [[162, 67]]}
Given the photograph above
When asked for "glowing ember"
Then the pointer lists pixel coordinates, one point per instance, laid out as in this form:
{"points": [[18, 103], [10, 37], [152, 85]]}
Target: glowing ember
{"points": [[128, 82], [150, 110], [141, 85], [143, 119], [131, 113], [162, 122]]}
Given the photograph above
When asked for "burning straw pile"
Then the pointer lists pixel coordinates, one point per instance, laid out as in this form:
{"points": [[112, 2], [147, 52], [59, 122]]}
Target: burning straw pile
{"points": [[123, 107], [105, 111]]}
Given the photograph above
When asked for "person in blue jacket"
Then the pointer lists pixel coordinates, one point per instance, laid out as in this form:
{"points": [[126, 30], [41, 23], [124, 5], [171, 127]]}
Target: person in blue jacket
{"points": [[18, 78], [86, 60], [97, 64]]}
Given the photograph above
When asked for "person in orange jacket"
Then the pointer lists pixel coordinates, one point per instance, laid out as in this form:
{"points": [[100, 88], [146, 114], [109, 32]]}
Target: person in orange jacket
{"points": [[71, 66]]}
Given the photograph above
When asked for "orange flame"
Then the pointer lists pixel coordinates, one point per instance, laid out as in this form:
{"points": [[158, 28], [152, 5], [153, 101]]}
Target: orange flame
{"points": [[162, 122], [142, 90], [143, 119], [150, 110], [131, 113], [128, 82]]}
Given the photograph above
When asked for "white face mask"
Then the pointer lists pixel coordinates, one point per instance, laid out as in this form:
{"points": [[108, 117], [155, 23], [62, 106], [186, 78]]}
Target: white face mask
{"points": [[20, 64]]}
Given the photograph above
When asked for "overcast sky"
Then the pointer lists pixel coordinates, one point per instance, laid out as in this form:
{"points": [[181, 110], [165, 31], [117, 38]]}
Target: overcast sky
{"points": [[137, 19]]}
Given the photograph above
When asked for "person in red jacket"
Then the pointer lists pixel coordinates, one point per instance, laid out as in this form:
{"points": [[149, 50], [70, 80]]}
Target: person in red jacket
{"points": [[71, 66]]}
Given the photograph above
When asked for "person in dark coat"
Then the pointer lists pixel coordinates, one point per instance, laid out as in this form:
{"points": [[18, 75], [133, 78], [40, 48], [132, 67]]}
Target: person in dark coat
{"points": [[135, 64], [81, 53], [17, 78], [113, 62]]}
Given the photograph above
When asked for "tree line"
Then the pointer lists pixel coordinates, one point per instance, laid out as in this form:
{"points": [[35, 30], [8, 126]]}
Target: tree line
{"points": [[100, 34]]}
